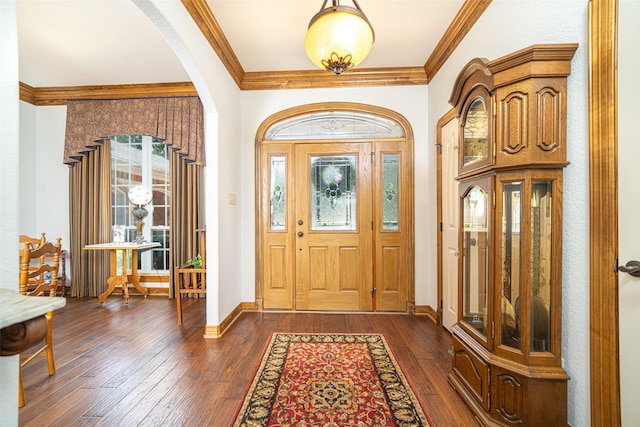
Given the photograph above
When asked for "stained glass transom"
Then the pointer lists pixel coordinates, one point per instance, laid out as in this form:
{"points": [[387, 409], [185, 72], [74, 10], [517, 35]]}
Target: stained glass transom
{"points": [[335, 125]]}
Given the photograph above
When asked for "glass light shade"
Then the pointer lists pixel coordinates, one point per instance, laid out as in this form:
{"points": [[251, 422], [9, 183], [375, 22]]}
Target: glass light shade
{"points": [[343, 31], [140, 195]]}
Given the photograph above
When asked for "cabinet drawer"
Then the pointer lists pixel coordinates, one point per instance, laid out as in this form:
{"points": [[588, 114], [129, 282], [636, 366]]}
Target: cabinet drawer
{"points": [[472, 371]]}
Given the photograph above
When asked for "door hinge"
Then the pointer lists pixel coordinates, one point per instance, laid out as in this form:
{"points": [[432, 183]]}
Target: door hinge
{"points": [[493, 199], [493, 329], [441, 227], [373, 154]]}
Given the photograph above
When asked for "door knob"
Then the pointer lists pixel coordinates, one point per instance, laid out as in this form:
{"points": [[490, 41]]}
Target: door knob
{"points": [[300, 234], [632, 267]]}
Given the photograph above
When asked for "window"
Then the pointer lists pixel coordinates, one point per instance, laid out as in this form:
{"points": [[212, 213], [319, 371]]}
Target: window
{"points": [[334, 125], [142, 160]]}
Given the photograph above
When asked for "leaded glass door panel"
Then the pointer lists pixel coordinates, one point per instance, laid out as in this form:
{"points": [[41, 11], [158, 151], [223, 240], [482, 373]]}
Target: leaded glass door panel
{"points": [[277, 240], [391, 199], [333, 223]]}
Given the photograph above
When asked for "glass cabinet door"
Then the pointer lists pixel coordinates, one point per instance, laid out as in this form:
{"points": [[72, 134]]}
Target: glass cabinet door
{"points": [[475, 261], [541, 266], [475, 135], [511, 264]]}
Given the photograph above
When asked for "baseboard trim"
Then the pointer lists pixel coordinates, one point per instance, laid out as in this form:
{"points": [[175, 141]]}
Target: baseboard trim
{"points": [[216, 331], [427, 310]]}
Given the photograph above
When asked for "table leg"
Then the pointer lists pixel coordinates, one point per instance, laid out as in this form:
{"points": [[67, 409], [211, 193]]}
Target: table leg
{"points": [[113, 279], [125, 276], [112, 282], [116, 279], [134, 277]]}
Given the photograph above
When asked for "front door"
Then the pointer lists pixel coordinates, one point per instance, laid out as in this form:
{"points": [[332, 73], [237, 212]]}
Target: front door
{"points": [[333, 227], [336, 226], [336, 210]]}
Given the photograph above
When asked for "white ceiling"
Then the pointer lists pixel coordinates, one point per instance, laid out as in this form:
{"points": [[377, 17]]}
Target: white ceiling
{"points": [[100, 42]]}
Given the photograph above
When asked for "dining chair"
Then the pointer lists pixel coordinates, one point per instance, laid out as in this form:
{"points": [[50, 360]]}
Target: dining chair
{"points": [[39, 281], [191, 279], [37, 241]]}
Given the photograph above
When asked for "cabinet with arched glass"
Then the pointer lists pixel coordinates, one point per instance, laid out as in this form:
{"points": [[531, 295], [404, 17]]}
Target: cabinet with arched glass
{"points": [[507, 361]]}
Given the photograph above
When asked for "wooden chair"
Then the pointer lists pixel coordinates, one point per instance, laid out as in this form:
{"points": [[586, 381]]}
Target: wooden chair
{"points": [[35, 243], [39, 281], [189, 280]]}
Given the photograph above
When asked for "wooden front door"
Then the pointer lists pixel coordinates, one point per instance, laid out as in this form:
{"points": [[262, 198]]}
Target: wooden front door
{"points": [[335, 199], [337, 234], [333, 220]]}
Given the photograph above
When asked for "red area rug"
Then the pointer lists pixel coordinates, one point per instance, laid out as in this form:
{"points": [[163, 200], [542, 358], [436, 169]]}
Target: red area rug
{"points": [[329, 380]]}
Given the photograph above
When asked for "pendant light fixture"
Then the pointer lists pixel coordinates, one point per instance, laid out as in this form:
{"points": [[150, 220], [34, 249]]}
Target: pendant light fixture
{"points": [[339, 37]]}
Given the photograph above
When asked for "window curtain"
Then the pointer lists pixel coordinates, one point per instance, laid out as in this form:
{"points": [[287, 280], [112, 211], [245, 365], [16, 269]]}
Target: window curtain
{"points": [[90, 222], [179, 122], [187, 213]]}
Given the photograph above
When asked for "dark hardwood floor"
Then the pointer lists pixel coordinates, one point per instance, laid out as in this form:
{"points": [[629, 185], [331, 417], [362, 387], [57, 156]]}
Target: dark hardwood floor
{"points": [[130, 365]]}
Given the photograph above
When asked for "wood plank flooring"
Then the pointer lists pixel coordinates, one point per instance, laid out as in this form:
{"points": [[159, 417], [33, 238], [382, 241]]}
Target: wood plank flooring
{"points": [[132, 365]]}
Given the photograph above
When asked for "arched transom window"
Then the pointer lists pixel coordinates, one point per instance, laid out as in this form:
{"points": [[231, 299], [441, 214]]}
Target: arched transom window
{"points": [[334, 125]]}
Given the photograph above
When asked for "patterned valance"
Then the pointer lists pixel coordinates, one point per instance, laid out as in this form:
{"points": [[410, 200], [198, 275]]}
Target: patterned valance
{"points": [[178, 121]]}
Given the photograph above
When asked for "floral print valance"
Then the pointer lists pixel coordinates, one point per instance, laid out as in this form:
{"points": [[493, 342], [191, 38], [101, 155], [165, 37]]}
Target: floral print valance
{"points": [[178, 121]]}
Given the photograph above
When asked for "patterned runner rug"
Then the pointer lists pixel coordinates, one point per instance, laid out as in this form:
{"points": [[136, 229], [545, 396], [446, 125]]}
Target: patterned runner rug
{"points": [[330, 380]]}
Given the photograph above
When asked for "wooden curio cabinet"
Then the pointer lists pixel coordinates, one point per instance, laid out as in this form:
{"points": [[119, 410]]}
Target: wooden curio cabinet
{"points": [[507, 362]]}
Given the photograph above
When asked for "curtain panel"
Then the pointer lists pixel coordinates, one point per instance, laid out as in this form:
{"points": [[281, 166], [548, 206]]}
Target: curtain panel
{"points": [[178, 121], [90, 222], [186, 215]]}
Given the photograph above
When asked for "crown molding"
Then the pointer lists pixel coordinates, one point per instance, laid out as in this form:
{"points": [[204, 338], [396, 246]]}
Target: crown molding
{"points": [[464, 20], [307, 79], [208, 25], [60, 95], [27, 93]]}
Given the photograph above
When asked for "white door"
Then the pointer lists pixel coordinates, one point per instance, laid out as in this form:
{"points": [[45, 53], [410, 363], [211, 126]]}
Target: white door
{"points": [[450, 207], [629, 207]]}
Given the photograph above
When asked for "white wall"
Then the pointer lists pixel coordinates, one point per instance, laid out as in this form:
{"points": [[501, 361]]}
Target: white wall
{"points": [[410, 101], [44, 179], [53, 188], [27, 167], [221, 100], [507, 26]]}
